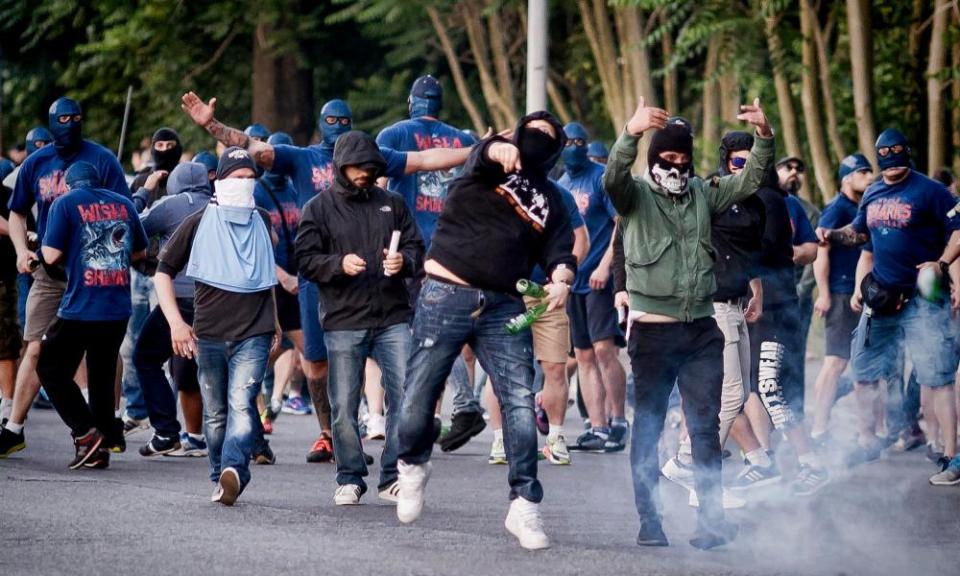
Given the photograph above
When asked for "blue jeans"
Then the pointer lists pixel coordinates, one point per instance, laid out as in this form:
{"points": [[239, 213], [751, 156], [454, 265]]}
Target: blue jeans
{"points": [[141, 286], [230, 376], [347, 352], [464, 400], [448, 317], [314, 349]]}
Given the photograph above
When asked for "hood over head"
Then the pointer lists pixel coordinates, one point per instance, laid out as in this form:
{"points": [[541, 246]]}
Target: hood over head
{"points": [[732, 142], [188, 177], [356, 148], [537, 150]]}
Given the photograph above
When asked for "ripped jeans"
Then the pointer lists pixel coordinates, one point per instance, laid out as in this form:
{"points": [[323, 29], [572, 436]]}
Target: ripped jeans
{"points": [[447, 317], [230, 374]]}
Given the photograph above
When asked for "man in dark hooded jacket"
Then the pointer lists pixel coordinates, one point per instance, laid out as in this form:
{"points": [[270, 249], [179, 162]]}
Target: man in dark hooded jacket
{"points": [[501, 218], [343, 245]]}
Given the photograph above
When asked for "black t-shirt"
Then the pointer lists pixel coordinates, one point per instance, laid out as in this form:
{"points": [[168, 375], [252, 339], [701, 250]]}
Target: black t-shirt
{"points": [[737, 237], [776, 260], [219, 315]]}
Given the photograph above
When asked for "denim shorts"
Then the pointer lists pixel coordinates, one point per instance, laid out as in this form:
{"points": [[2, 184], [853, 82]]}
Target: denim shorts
{"points": [[314, 348], [923, 328]]}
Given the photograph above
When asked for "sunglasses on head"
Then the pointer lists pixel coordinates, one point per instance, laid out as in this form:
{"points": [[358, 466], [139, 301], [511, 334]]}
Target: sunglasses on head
{"points": [[885, 151], [738, 162], [331, 120], [576, 142]]}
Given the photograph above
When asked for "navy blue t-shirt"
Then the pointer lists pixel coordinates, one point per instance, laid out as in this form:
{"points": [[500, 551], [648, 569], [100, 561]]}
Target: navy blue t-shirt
{"points": [[424, 192], [802, 230], [311, 168], [42, 178], [598, 214], [843, 260], [908, 226], [97, 231], [576, 221], [284, 218]]}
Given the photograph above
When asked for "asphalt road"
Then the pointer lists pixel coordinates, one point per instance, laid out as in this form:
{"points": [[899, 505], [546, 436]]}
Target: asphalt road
{"points": [[154, 517]]}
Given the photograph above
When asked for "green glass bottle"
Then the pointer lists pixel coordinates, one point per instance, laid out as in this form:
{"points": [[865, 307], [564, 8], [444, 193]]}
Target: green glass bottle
{"points": [[531, 289], [521, 322]]}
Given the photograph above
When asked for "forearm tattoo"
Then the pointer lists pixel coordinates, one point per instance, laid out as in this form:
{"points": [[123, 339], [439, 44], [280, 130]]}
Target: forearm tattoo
{"points": [[847, 236], [229, 136]]}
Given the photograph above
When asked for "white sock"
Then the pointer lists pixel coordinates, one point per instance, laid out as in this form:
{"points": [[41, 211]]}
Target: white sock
{"points": [[759, 458], [118, 413], [6, 408], [809, 459], [15, 428], [195, 436], [498, 434], [86, 395], [555, 431]]}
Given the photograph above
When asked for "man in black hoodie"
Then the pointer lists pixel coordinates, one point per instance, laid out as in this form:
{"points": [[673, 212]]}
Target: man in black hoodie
{"points": [[342, 245], [501, 218]]}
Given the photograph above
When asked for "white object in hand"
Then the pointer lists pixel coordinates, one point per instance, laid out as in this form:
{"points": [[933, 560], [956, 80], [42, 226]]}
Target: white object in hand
{"points": [[394, 245]]}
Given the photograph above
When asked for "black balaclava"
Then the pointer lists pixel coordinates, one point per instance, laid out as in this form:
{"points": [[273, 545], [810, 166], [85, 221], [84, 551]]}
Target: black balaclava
{"points": [[168, 159], [732, 142], [671, 177]]}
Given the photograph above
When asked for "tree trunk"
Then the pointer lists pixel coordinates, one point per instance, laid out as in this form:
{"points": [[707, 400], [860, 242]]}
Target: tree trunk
{"points": [[956, 103], [456, 71], [638, 58], [788, 117], [556, 99], [604, 56], [826, 86], [282, 89], [671, 100], [711, 108], [823, 170], [477, 38], [936, 106], [729, 98], [861, 51], [501, 62]]}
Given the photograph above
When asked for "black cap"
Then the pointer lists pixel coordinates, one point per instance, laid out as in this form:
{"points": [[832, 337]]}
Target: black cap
{"points": [[234, 158]]}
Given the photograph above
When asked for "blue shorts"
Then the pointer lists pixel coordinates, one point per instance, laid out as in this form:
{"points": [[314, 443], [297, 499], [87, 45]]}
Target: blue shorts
{"points": [[593, 318], [314, 349], [923, 327]]}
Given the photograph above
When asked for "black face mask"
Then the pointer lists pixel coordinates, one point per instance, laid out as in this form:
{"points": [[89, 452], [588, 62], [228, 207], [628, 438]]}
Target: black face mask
{"points": [[168, 159], [536, 147]]}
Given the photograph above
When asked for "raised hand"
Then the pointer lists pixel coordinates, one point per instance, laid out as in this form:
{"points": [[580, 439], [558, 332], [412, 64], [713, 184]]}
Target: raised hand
{"points": [[646, 117], [753, 114], [200, 113], [506, 155]]}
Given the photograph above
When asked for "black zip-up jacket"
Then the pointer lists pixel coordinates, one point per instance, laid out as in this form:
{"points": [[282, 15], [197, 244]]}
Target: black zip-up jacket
{"points": [[496, 227], [737, 238], [347, 220]]}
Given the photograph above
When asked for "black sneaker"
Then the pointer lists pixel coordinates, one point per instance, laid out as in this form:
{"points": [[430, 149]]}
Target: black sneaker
{"points": [[86, 446], [863, 455], [117, 441], [463, 427], [809, 480], [651, 534], [594, 440], [262, 454], [718, 534], [159, 445], [618, 438], [99, 461], [368, 459], [11, 442]]}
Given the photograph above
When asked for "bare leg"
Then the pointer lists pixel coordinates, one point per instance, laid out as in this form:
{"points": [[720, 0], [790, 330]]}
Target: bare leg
{"points": [[591, 386], [826, 392], [27, 384], [191, 403], [742, 434], [554, 397], [944, 404], [759, 419], [614, 378], [927, 404]]}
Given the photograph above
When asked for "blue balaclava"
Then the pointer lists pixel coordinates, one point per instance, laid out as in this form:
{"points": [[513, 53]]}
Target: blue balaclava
{"points": [[426, 97], [887, 139], [82, 175], [35, 135], [6, 167], [596, 149], [575, 150], [258, 131], [208, 159], [276, 180], [337, 110], [67, 136]]}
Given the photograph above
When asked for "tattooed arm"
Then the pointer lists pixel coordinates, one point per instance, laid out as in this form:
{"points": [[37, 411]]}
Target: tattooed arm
{"points": [[846, 236], [202, 115]]}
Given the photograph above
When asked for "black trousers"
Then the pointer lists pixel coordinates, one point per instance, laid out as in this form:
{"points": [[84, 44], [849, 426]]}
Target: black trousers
{"points": [[689, 354], [61, 351], [150, 352]]}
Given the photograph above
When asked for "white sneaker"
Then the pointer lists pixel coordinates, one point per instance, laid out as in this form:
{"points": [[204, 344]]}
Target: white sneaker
{"points": [[730, 500], [376, 427], [347, 495], [412, 482], [228, 487], [678, 473], [498, 454], [391, 493], [524, 522]]}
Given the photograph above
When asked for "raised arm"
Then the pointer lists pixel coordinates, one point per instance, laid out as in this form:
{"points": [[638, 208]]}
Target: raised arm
{"points": [[735, 188], [202, 115], [618, 181], [436, 159]]}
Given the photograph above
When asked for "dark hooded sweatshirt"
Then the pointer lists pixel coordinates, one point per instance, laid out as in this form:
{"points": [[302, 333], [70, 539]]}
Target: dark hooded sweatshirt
{"points": [[347, 220], [496, 227]]}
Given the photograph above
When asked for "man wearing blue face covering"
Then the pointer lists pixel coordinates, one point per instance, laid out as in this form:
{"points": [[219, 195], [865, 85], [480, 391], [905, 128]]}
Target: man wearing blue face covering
{"points": [[905, 217], [41, 181], [227, 249], [311, 170], [593, 319]]}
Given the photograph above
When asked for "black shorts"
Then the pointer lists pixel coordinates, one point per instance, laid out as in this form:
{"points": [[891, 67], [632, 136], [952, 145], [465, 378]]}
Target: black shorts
{"points": [[593, 318], [781, 324], [840, 323], [10, 341], [288, 310]]}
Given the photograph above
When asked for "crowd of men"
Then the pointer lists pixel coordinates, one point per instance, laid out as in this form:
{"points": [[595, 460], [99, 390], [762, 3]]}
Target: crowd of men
{"points": [[358, 278]]}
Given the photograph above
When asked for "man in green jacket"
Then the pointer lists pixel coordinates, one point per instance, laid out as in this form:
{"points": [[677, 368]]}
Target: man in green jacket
{"points": [[665, 216]]}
